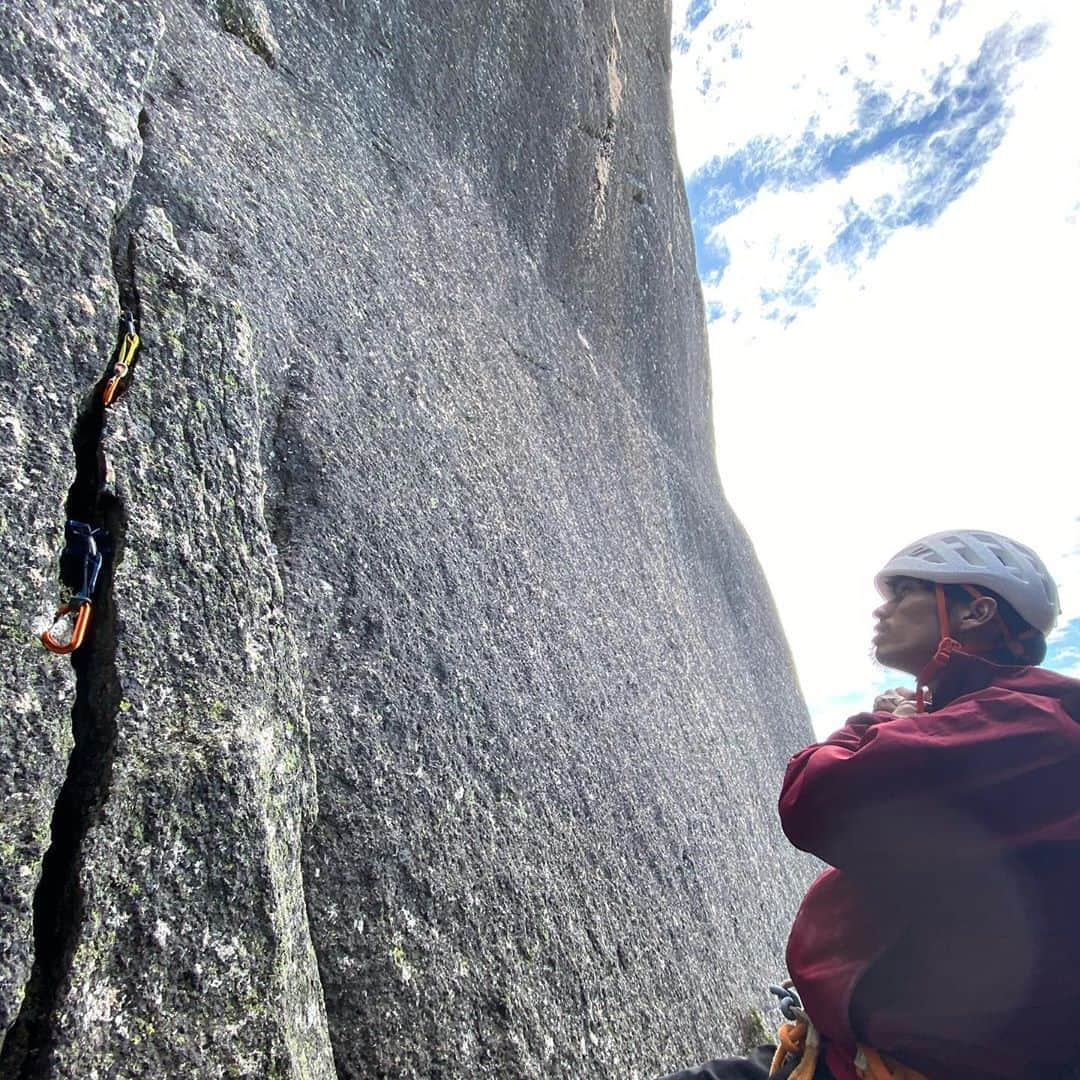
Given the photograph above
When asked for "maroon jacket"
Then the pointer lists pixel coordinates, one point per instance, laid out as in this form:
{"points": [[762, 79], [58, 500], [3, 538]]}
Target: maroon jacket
{"points": [[948, 933]]}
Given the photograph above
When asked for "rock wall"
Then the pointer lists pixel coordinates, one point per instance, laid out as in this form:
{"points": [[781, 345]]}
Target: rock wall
{"points": [[434, 708]]}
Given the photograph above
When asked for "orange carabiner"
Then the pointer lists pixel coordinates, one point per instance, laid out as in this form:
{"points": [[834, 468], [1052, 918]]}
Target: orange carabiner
{"points": [[111, 387], [78, 631]]}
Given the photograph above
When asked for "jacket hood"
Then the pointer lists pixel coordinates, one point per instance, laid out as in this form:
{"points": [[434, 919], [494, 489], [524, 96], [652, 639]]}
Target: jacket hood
{"points": [[967, 674]]}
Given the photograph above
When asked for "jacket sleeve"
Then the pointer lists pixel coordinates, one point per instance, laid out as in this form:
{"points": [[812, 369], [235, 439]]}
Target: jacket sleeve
{"points": [[912, 790]]}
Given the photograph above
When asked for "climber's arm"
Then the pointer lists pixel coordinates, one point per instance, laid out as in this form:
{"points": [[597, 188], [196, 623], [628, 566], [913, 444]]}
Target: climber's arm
{"points": [[889, 789]]}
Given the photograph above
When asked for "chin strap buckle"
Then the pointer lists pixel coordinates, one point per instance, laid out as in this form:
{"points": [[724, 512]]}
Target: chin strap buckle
{"points": [[946, 647], [942, 655], [938, 662]]}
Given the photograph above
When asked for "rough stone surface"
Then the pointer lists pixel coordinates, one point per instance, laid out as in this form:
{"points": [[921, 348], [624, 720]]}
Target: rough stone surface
{"points": [[68, 152], [435, 709]]}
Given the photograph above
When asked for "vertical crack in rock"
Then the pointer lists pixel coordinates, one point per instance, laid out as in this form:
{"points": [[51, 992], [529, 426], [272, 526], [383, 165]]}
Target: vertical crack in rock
{"points": [[59, 907], [59, 904], [122, 242]]}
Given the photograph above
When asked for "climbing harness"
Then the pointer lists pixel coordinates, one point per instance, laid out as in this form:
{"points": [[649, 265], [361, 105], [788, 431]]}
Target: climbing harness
{"points": [[798, 1038], [80, 567], [125, 357], [870, 1065]]}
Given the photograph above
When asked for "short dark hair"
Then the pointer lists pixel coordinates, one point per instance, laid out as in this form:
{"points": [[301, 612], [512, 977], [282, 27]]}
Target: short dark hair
{"points": [[1022, 635]]}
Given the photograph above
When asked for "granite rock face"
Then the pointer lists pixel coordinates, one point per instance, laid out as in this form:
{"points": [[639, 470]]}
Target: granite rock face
{"points": [[434, 708]]}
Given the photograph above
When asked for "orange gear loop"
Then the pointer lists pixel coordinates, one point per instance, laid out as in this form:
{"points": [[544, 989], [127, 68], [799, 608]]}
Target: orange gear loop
{"points": [[870, 1065], [797, 1038], [790, 1039], [78, 629]]}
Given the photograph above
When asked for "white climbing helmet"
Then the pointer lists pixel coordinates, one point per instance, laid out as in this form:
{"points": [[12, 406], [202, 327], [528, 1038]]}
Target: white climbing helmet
{"points": [[974, 557]]}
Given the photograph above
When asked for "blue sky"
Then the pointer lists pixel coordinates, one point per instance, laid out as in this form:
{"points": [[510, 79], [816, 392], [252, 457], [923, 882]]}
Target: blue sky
{"points": [[885, 207]]}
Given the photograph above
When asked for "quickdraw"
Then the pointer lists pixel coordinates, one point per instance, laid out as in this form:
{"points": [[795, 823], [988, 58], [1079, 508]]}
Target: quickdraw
{"points": [[80, 567], [125, 357], [86, 546]]}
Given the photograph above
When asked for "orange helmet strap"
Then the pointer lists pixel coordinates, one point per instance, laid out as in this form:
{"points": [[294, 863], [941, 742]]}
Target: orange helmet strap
{"points": [[946, 647]]}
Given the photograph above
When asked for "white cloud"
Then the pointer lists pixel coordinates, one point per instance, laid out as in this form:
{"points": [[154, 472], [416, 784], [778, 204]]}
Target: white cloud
{"points": [[934, 389], [798, 64], [767, 240]]}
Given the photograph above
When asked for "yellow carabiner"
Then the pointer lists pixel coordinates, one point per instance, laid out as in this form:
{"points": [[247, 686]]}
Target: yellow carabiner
{"points": [[121, 368], [78, 630]]}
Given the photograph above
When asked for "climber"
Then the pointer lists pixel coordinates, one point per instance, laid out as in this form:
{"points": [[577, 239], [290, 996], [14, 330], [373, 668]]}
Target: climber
{"points": [[943, 942]]}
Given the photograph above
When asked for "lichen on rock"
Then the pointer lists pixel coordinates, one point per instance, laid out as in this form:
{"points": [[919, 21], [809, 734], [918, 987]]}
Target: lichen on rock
{"points": [[250, 22]]}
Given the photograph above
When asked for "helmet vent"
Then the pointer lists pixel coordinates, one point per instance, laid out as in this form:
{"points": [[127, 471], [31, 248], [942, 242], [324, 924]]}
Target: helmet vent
{"points": [[1004, 555], [921, 551], [961, 549]]}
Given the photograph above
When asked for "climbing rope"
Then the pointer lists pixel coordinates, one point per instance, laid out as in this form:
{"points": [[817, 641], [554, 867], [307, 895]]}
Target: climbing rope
{"points": [[125, 357], [80, 566]]}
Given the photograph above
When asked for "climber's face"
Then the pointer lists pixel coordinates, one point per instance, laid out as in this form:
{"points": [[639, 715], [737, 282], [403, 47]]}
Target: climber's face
{"points": [[906, 633]]}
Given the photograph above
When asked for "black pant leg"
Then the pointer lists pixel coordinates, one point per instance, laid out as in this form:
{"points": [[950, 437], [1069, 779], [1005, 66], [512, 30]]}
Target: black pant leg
{"points": [[755, 1067]]}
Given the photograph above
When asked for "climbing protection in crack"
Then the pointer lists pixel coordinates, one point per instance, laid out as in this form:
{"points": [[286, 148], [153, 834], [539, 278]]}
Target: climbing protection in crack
{"points": [[94, 532], [89, 544]]}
